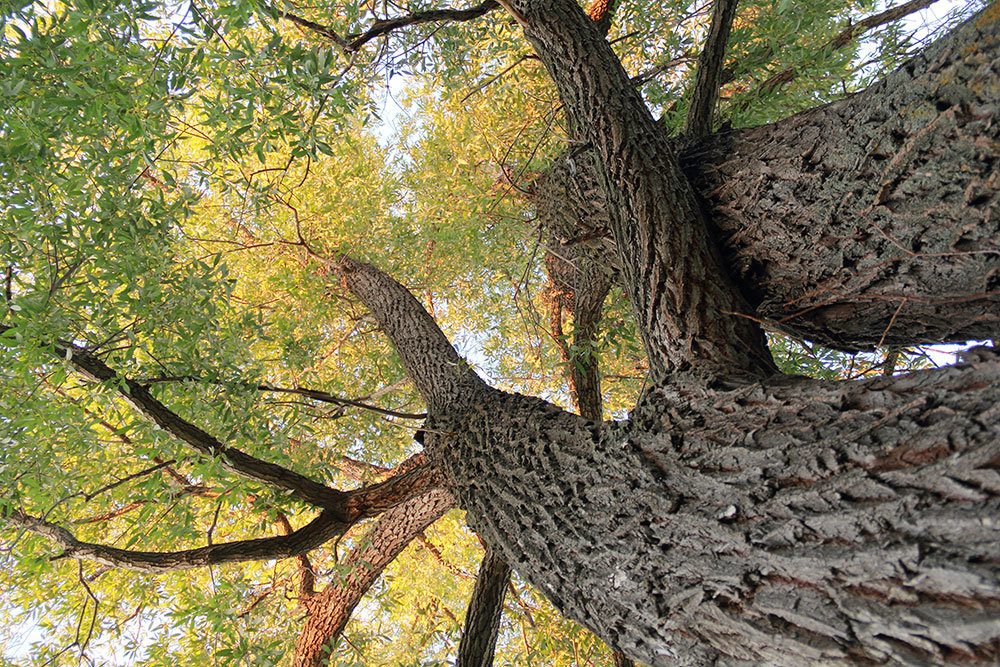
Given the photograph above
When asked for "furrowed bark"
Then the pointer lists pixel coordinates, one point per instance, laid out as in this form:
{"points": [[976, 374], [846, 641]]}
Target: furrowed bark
{"points": [[687, 311], [784, 522], [329, 610], [709, 73], [482, 620], [872, 220], [443, 378]]}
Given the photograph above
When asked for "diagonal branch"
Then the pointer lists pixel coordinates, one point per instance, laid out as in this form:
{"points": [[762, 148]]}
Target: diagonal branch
{"points": [[709, 71], [482, 620], [314, 394], [848, 35], [443, 378], [330, 609], [323, 528], [232, 459], [353, 42]]}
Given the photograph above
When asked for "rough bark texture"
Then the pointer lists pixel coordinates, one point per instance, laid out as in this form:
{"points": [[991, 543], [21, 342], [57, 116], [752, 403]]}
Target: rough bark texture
{"points": [[444, 379], [329, 610], [687, 310], [781, 522], [709, 73], [482, 620], [870, 220]]}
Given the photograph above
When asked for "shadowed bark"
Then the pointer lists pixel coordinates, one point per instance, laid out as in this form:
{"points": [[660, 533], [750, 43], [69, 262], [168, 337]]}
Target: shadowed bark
{"points": [[482, 620], [870, 220]]}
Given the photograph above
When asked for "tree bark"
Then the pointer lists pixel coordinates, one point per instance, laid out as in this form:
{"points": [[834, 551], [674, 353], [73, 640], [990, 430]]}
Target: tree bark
{"points": [[782, 522], [688, 312], [329, 610], [872, 220], [482, 620]]}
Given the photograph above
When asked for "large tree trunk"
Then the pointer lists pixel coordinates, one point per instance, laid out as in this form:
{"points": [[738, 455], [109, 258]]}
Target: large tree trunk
{"points": [[738, 514], [870, 220], [780, 522]]}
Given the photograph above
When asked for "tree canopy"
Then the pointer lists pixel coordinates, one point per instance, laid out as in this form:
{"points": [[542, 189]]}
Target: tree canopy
{"points": [[207, 437]]}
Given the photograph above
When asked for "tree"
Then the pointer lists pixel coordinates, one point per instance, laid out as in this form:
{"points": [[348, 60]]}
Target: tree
{"points": [[738, 513]]}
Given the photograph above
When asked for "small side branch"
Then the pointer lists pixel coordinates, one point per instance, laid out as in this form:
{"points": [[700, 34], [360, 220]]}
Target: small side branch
{"points": [[313, 394], [354, 42], [482, 620], [709, 74], [320, 530]]}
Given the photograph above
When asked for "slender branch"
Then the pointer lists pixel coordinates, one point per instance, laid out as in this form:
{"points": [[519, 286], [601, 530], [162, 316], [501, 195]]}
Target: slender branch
{"points": [[482, 620], [848, 35], [323, 528], [232, 459], [709, 72], [314, 394], [380, 27]]}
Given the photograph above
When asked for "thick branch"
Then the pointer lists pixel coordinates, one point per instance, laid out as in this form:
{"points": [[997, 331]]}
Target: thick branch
{"points": [[838, 222], [330, 609], [482, 620], [709, 72], [790, 522], [323, 528], [444, 379], [381, 27], [687, 311]]}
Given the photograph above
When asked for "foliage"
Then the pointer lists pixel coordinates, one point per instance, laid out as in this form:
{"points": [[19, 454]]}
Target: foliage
{"points": [[164, 166]]}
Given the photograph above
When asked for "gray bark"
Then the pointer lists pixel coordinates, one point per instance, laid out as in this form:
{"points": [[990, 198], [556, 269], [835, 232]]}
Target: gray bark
{"points": [[870, 220], [783, 522]]}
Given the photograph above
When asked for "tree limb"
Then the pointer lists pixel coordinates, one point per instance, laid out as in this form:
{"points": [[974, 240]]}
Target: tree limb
{"points": [[314, 394], [380, 27], [709, 72], [323, 528], [482, 620], [208, 445], [331, 608], [848, 35], [443, 378]]}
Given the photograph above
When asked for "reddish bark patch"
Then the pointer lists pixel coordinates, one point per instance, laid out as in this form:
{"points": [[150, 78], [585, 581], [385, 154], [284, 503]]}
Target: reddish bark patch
{"points": [[906, 456]]}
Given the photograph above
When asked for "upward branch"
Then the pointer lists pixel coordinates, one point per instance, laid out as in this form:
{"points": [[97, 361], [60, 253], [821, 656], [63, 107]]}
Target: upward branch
{"points": [[706, 86], [687, 311], [443, 378]]}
